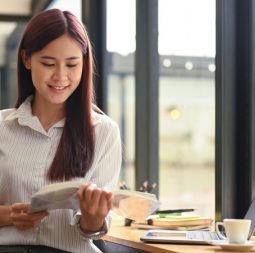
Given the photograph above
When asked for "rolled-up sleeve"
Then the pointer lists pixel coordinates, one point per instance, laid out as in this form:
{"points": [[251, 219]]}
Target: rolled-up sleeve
{"points": [[105, 169]]}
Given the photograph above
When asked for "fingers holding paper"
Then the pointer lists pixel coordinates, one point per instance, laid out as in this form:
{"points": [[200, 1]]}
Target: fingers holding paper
{"points": [[23, 220], [95, 203]]}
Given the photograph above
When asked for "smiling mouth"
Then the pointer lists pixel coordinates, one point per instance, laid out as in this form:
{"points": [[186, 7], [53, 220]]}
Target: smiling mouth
{"points": [[58, 87]]}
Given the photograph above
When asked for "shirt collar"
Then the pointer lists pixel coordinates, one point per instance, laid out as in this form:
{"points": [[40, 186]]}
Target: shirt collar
{"points": [[24, 115], [26, 118]]}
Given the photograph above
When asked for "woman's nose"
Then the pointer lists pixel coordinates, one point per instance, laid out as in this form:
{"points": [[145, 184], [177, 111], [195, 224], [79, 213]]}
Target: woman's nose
{"points": [[60, 74]]}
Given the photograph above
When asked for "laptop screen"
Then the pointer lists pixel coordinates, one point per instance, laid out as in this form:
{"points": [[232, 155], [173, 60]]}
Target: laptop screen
{"points": [[251, 216]]}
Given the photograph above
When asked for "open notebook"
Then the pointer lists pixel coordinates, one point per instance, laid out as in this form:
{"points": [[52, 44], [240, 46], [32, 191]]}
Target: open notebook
{"points": [[193, 237]]}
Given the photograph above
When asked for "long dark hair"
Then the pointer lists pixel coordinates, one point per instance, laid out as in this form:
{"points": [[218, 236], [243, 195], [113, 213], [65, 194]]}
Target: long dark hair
{"points": [[76, 148]]}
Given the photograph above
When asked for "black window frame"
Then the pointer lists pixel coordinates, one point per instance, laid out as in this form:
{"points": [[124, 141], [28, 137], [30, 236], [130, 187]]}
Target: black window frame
{"points": [[235, 107]]}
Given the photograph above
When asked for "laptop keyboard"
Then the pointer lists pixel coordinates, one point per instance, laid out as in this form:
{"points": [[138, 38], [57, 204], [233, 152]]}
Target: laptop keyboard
{"points": [[202, 235]]}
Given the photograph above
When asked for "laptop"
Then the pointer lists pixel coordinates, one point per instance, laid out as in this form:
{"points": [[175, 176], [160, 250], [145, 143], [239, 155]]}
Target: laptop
{"points": [[193, 237]]}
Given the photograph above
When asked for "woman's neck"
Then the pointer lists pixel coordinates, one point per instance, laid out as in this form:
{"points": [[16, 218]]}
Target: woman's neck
{"points": [[48, 115]]}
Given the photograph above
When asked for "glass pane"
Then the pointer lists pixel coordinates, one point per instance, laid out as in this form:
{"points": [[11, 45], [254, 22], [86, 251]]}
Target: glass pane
{"points": [[121, 84], [10, 33], [121, 26], [187, 104]]}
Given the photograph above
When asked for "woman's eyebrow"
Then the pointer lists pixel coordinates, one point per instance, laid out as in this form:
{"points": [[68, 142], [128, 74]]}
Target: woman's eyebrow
{"points": [[53, 58]]}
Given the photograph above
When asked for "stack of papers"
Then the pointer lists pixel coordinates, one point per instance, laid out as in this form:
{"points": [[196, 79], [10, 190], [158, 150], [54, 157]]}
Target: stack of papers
{"points": [[129, 204], [182, 222]]}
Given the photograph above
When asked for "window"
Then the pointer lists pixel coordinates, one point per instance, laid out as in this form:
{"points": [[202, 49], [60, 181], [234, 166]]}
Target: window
{"points": [[187, 97]]}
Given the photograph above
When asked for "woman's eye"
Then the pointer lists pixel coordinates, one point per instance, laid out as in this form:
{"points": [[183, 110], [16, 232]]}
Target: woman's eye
{"points": [[47, 64], [71, 65]]}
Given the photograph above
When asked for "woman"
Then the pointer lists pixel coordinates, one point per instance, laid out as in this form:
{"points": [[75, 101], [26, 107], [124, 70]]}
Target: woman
{"points": [[55, 134]]}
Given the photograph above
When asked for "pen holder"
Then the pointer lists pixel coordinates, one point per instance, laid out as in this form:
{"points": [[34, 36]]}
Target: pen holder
{"points": [[128, 222]]}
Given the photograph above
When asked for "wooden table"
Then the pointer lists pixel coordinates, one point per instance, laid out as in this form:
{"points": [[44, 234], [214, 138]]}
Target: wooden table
{"points": [[121, 239]]}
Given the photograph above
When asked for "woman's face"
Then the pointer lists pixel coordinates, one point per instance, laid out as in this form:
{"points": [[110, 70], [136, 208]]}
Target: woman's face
{"points": [[56, 70]]}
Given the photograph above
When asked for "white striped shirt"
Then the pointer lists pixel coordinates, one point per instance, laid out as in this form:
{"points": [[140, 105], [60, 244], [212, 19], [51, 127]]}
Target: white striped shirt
{"points": [[26, 152]]}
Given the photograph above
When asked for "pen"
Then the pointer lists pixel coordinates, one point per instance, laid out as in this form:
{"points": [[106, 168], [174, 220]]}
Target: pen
{"points": [[175, 211]]}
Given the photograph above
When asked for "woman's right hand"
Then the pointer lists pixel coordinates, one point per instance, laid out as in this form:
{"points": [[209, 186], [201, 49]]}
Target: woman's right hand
{"points": [[23, 220]]}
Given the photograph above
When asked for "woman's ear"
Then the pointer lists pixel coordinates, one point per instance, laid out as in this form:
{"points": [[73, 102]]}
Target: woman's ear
{"points": [[26, 59]]}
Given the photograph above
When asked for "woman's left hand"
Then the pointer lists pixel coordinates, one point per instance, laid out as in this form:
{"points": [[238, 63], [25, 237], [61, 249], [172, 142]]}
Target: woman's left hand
{"points": [[95, 203]]}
